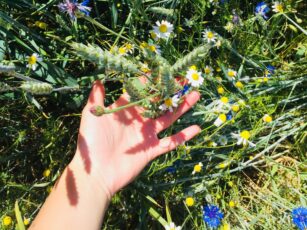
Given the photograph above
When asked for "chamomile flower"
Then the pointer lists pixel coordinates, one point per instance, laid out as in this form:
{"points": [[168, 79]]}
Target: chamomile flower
{"points": [[194, 77], [218, 44], [235, 108], [189, 201], [129, 47], [197, 168], [154, 48], [163, 29], [26, 221], [122, 51], [262, 9], [7, 220], [220, 120], [223, 140], [239, 85], [172, 226], [32, 61], [153, 35], [221, 105], [220, 90], [229, 27], [170, 103], [278, 7], [208, 71], [243, 138], [267, 118], [231, 73], [209, 36]]}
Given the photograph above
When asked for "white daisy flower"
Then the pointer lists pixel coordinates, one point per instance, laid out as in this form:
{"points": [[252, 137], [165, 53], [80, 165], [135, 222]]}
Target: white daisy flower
{"points": [[231, 73], [278, 7], [170, 103], [229, 27], [122, 51], [154, 48], [220, 120], [243, 137], [208, 71], [222, 104], [32, 61], [163, 29], [218, 44], [209, 36], [172, 226], [129, 47], [223, 140], [153, 35], [194, 77]]}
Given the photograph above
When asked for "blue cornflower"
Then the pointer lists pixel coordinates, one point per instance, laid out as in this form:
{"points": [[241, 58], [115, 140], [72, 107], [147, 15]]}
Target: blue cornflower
{"points": [[212, 215], [71, 7], [183, 91], [270, 70], [229, 116], [262, 8], [299, 217], [170, 169]]}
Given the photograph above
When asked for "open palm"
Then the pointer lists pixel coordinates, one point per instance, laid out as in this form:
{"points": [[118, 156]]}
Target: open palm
{"points": [[116, 147]]}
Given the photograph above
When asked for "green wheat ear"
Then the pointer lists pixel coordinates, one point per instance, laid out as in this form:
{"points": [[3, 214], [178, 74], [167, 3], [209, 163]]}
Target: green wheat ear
{"points": [[105, 59], [135, 89], [36, 88], [191, 58]]}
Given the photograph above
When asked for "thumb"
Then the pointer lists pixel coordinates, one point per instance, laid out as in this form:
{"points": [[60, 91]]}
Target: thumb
{"points": [[97, 94]]}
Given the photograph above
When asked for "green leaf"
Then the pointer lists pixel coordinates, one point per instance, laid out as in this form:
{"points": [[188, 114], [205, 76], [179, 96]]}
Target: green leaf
{"points": [[20, 225]]}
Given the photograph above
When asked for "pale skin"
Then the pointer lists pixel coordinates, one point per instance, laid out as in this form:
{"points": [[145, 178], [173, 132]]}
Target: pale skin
{"points": [[112, 150]]}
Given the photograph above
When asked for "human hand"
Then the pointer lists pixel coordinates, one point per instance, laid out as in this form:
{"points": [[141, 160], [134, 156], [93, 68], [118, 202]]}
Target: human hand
{"points": [[115, 147]]}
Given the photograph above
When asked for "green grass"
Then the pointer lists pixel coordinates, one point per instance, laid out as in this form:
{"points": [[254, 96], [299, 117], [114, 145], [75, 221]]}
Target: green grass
{"points": [[38, 132]]}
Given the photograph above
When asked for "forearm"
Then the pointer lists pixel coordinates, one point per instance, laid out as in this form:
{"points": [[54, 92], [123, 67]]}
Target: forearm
{"points": [[77, 201]]}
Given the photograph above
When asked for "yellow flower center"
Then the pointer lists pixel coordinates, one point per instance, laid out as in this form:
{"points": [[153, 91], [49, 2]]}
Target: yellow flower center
{"points": [[265, 79], [46, 173], [32, 60], [222, 117], [7, 220], [232, 204], [231, 73], [267, 118], [197, 168], [193, 67], [224, 100], [189, 201], [152, 48], [129, 46], [163, 28], [26, 221], [168, 102], [279, 8], [153, 35], [210, 35], [144, 45], [220, 90], [195, 76], [235, 108], [239, 84], [245, 134], [226, 227], [207, 70], [122, 50]]}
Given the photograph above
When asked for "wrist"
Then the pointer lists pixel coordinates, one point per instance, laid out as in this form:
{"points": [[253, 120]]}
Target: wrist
{"points": [[90, 178]]}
